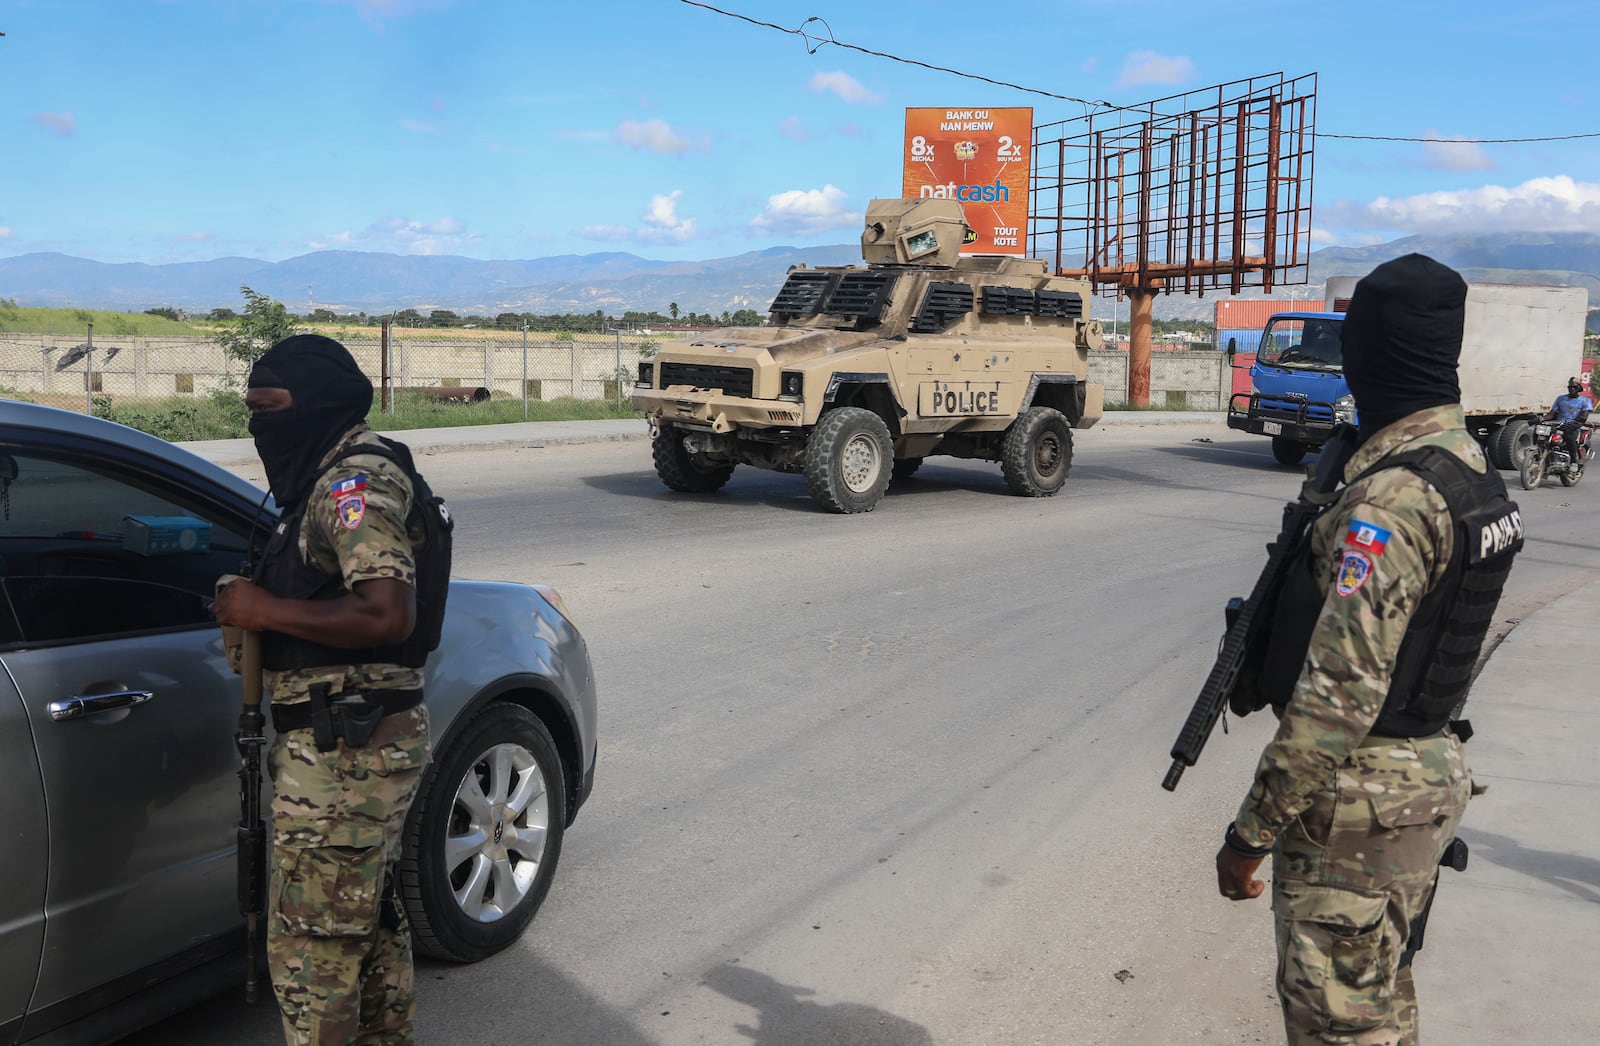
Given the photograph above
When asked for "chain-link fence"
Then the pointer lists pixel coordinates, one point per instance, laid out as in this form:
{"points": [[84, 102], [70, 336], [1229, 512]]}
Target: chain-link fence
{"points": [[444, 365]]}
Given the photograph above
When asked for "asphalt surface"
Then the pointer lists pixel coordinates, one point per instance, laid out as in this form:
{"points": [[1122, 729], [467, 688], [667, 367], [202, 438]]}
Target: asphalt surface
{"points": [[1516, 968]]}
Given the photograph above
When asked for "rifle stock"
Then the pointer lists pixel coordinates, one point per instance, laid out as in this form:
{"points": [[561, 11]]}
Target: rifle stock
{"points": [[1246, 630], [252, 838]]}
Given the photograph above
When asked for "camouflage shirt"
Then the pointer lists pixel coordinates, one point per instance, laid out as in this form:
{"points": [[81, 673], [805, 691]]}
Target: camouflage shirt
{"points": [[1385, 543], [355, 526]]}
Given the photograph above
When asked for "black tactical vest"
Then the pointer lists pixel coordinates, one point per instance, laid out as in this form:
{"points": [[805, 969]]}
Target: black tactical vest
{"points": [[1440, 649], [283, 572]]}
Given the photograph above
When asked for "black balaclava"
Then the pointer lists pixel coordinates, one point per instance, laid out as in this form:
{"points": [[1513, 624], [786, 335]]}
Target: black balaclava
{"points": [[1402, 340], [330, 396]]}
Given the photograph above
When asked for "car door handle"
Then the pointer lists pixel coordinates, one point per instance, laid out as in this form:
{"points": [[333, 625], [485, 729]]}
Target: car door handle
{"points": [[94, 704]]}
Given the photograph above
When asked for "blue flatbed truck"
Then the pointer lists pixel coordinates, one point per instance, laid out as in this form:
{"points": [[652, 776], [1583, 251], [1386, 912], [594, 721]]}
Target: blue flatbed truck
{"points": [[1297, 387]]}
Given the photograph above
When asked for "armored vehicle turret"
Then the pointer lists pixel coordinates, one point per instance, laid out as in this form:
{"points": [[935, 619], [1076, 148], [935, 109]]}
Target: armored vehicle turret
{"points": [[861, 372]]}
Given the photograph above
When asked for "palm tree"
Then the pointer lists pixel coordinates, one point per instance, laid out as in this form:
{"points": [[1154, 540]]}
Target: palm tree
{"points": [[673, 308]]}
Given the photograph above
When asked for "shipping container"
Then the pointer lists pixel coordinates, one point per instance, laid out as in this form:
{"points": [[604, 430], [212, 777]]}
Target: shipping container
{"points": [[1239, 314], [1244, 339]]}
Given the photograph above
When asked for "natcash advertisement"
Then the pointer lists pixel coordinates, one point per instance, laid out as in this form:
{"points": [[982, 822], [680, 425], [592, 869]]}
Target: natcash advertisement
{"points": [[977, 156]]}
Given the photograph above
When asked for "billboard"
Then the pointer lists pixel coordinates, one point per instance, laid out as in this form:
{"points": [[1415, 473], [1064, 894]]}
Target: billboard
{"points": [[977, 156]]}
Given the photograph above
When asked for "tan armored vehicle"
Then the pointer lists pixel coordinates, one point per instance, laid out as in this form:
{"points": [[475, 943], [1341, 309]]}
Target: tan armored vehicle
{"points": [[861, 373]]}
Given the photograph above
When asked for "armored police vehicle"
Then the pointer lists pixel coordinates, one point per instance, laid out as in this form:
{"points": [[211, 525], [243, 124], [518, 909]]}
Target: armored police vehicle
{"points": [[863, 371]]}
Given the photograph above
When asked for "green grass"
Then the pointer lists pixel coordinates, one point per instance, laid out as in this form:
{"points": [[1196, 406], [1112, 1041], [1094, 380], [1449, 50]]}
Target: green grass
{"points": [[19, 319]]}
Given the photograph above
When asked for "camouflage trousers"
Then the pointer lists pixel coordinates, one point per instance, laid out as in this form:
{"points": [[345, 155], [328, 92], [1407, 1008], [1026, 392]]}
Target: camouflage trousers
{"points": [[339, 954], [1348, 880]]}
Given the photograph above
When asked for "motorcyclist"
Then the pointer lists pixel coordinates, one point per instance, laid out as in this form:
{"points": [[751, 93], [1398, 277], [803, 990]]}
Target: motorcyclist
{"points": [[1571, 411]]}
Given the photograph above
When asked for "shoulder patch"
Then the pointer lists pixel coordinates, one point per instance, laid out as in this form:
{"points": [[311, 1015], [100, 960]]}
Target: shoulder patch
{"points": [[351, 509], [343, 488], [1368, 537], [1354, 570]]}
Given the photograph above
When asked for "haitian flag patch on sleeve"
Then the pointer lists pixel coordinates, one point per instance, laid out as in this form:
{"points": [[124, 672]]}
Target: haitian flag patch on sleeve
{"points": [[1369, 537], [343, 488]]}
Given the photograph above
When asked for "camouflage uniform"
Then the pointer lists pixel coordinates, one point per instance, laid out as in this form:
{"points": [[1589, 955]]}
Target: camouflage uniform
{"points": [[340, 963], [1358, 823]]}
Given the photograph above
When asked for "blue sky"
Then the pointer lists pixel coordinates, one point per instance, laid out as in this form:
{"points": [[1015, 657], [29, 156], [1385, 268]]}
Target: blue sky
{"points": [[184, 130]]}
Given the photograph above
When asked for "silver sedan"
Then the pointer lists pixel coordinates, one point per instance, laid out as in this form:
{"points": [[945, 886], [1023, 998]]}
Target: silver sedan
{"points": [[118, 788]]}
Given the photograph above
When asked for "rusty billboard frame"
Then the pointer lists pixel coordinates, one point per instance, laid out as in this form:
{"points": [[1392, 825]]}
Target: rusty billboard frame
{"points": [[1204, 190]]}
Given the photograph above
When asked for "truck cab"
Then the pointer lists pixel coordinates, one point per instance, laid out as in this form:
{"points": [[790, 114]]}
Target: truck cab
{"points": [[1297, 387]]}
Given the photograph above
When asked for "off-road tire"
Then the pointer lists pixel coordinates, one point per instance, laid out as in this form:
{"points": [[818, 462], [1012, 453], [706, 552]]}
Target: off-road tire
{"points": [[1036, 454], [1288, 451], [678, 469], [440, 926], [1509, 443], [849, 460], [1531, 471], [905, 468]]}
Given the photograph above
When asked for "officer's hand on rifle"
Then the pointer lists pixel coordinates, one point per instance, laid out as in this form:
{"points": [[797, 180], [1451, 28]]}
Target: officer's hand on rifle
{"points": [[1236, 870], [242, 604]]}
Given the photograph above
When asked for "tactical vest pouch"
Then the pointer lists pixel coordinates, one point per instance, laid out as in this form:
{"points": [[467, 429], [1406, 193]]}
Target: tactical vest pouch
{"points": [[1294, 618]]}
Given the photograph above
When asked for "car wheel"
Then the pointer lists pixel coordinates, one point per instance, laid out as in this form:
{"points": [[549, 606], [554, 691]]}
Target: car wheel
{"points": [[848, 460], [483, 836], [905, 468], [1510, 443], [678, 468], [1037, 452], [1287, 451]]}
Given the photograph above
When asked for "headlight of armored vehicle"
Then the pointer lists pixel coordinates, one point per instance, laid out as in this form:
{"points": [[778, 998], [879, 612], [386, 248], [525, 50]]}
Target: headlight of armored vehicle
{"points": [[647, 375], [1344, 408], [793, 383]]}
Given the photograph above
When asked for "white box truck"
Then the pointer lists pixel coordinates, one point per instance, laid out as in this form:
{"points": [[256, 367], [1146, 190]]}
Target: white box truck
{"points": [[1519, 347]]}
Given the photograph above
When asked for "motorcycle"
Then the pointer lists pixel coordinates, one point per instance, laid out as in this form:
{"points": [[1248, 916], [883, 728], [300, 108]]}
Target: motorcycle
{"points": [[1552, 455]]}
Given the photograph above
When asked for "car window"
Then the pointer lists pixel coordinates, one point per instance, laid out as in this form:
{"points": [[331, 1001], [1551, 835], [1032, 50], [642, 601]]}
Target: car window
{"points": [[88, 551]]}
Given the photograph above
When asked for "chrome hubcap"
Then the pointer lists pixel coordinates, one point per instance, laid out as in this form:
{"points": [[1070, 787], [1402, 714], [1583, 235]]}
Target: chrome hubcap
{"points": [[498, 826]]}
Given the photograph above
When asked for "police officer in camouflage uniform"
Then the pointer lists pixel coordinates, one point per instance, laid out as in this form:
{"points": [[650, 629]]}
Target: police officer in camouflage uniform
{"points": [[1360, 791], [334, 598]]}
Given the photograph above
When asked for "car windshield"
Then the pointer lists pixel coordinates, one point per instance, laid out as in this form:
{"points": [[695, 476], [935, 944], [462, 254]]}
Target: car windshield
{"points": [[1304, 344]]}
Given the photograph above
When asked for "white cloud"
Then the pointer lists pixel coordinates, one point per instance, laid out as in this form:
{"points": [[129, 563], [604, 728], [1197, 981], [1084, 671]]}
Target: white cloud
{"points": [[1148, 67], [398, 235], [794, 129], [62, 124], [5, 232], [661, 224], [1454, 155], [805, 212], [845, 86], [657, 136], [1555, 204]]}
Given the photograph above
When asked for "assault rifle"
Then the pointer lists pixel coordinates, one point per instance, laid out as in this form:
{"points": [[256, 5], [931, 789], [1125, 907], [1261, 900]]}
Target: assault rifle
{"points": [[1246, 637], [252, 830]]}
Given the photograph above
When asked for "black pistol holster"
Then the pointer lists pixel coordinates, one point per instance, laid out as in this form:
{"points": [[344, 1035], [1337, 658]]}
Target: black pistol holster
{"points": [[350, 717]]}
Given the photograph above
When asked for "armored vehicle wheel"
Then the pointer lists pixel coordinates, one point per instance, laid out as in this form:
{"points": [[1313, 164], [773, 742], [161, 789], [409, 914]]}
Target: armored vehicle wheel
{"points": [[1509, 443], [1532, 471], [678, 468], [848, 460], [1287, 451], [905, 468], [1037, 452]]}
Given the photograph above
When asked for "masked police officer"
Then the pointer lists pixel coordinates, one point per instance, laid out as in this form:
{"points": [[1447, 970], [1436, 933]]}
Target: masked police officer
{"points": [[1358, 795], [334, 598]]}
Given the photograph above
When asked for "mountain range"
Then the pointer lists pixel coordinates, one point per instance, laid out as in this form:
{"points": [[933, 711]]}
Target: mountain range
{"points": [[614, 282]]}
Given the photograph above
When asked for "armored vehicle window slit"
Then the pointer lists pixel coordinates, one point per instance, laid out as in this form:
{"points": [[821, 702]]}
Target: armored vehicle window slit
{"points": [[941, 306], [1065, 304], [802, 293], [1007, 301], [733, 381], [863, 295]]}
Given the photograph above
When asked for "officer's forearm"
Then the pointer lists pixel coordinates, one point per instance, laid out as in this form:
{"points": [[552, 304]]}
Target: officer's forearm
{"points": [[378, 612]]}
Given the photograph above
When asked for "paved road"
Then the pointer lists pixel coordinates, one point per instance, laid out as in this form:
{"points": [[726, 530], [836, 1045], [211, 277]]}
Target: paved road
{"points": [[894, 779]]}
